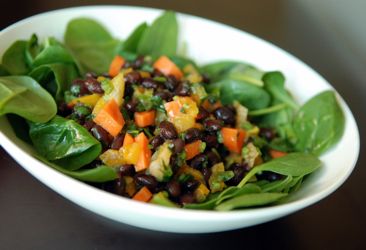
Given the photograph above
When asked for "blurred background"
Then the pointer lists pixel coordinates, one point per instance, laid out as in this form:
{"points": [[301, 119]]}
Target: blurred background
{"points": [[328, 35]]}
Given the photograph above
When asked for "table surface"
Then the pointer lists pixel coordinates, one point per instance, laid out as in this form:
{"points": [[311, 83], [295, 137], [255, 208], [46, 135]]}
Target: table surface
{"points": [[34, 217]]}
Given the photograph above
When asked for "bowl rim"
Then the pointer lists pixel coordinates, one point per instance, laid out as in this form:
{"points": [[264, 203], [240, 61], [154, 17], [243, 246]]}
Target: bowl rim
{"points": [[157, 210]]}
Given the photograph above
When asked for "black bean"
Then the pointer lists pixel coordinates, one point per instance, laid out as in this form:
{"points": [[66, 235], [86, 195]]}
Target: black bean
{"points": [[117, 141], [178, 145], [171, 83], [192, 135], [190, 185], [149, 83], [165, 95], [211, 141], [63, 109], [128, 90], [131, 105], [239, 172], [146, 180], [206, 173], [267, 133], [126, 170], [183, 89], [120, 186], [91, 75], [156, 142], [101, 135], [199, 161], [89, 124], [269, 176], [133, 77], [167, 130], [213, 158], [173, 188], [225, 114], [93, 85], [187, 198], [81, 87], [212, 125], [202, 114]]}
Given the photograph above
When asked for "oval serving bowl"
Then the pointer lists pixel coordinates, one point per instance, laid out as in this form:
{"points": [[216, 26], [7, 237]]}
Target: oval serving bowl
{"points": [[203, 37]]}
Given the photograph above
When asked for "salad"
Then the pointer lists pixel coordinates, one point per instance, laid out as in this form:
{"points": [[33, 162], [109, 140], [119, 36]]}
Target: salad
{"points": [[139, 119]]}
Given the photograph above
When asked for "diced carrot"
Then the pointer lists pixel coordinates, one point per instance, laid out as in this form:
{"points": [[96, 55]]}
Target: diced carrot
{"points": [[116, 65], [276, 154], [145, 155], [143, 195], [110, 118], [233, 139], [128, 140], [167, 67], [145, 118], [192, 149], [89, 100]]}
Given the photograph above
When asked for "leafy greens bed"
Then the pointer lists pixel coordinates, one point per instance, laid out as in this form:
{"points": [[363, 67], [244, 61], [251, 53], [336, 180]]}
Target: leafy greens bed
{"points": [[135, 118]]}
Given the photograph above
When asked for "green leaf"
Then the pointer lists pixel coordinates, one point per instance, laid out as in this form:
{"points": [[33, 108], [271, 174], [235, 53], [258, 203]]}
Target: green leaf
{"points": [[277, 186], [56, 78], [23, 96], [82, 31], [14, 58], [133, 40], [32, 49], [209, 204], [53, 54], [91, 44], [3, 71], [319, 124], [233, 70], [98, 174], [20, 127], [249, 95], [249, 200], [293, 164], [65, 142], [161, 38]]}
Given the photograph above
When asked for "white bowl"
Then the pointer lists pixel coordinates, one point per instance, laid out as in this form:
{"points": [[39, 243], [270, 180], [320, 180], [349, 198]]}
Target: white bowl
{"points": [[207, 41]]}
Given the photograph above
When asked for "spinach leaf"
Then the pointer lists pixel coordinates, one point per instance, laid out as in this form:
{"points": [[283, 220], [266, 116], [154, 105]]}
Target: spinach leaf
{"points": [[3, 71], [20, 127], [65, 142], [131, 43], [14, 58], [23, 96], [249, 200], [249, 95], [98, 174], [32, 50], [56, 78], [274, 83], [52, 52], [293, 164], [182, 61], [319, 123], [209, 204], [233, 70], [161, 38], [91, 44]]}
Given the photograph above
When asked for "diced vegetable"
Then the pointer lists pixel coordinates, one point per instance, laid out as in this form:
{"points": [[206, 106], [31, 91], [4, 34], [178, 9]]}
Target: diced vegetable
{"points": [[218, 177], [276, 154], [116, 65], [145, 118], [193, 149], [145, 155], [201, 193], [167, 67], [196, 174], [161, 198], [159, 166], [143, 195], [233, 139], [89, 100], [110, 118], [251, 154], [128, 140]]}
